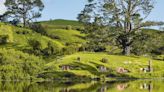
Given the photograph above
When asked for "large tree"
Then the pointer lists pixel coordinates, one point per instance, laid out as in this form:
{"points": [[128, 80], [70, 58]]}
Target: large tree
{"points": [[125, 17], [24, 10]]}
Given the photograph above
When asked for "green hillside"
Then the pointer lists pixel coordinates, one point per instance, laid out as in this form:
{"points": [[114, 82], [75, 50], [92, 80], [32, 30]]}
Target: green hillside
{"points": [[62, 24], [66, 36], [31, 54], [16, 65], [89, 63]]}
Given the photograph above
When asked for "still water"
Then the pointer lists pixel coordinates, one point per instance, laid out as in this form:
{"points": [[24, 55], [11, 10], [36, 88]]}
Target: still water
{"points": [[113, 86]]}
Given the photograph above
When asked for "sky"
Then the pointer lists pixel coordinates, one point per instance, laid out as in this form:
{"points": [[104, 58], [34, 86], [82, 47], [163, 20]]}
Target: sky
{"points": [[68, 9], [2, 7]]}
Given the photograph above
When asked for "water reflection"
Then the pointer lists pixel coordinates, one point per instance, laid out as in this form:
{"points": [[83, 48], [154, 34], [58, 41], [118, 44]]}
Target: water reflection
{"points": [[147, 86], [122, 86], [112, 86]]}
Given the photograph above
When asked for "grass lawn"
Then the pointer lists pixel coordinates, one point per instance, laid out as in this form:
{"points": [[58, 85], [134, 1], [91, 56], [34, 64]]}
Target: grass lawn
{"points": [[90, 61]]}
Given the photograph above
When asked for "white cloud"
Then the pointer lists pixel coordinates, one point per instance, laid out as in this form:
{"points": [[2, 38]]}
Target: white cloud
{"points": [[2, 6]]}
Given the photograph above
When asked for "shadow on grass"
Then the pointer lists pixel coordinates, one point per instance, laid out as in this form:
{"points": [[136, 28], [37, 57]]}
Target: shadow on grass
{"points": [[82, 66]]}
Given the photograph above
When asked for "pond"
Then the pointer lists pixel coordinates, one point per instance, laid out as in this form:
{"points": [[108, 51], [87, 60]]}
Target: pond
{"points": [[111, 86]]}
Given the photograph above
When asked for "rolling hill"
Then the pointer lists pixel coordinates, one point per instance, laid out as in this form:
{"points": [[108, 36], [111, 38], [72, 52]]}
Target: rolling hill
{"points": [[55, 54]]}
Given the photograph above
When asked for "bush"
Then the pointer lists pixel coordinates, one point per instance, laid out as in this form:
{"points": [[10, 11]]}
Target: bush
{"points": [[54, 36], [68, 27], [159, 57], [23, 31], [70, 50], [15, 22], [35, 44], [2, 59], [51, 49], [158, 51], [38, 28], [17, 65], [92, 47], [36, 47], [6, 33], [104, 60], [148, 42], [3, 39]]}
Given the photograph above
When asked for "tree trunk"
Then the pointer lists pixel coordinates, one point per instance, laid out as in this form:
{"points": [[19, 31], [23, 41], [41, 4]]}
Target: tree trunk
{"points": [[126, 43], [24, 16], [24, 22], [126, 50]]}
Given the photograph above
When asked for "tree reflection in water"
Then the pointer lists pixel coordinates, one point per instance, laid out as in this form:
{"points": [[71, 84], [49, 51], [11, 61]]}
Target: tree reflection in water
{"points": [[138, 86], [147, 86]]}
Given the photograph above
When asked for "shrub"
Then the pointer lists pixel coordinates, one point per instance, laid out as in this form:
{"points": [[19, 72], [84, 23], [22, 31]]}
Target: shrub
{"points": [[38, 28], [36, 47], [54, 36], [104, 60], [92, 47], [35, 44], [3, 39], [70, 50], [1, 59], [158, 51], [159, 57], [23, 31], [15, 22], [51, 49], [82, 48], [68, 27], [6, 33], [17, 65]]}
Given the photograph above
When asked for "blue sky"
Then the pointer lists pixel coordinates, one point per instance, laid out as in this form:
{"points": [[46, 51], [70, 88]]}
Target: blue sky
{"points": [[68, 9], [157, 13], [62, 9]]}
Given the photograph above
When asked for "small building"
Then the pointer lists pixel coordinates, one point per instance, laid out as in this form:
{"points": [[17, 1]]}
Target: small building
{"points": [[149, 67], [65, 67], [122, 70], [146, 69], [102, 68]]}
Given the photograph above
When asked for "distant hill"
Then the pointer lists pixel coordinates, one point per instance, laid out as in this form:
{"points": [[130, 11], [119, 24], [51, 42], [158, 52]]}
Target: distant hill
{"points": [[62, 24]]}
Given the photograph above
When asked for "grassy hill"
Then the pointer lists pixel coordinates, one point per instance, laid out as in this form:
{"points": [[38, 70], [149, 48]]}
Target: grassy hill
{"points": [[19, 37], [89, 63], [16, 40], [66, 36], [29, 54], [62, 24]]}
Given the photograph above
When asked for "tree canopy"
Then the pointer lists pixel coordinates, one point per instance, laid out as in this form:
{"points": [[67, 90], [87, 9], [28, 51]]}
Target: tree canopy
{"points": [[127, 17], [24, 10]]}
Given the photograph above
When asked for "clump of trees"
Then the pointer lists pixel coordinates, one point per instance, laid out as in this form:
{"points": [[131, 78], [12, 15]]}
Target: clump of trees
{"points": [[120, 19], [51, 50], [23, 10], [6, 34], [36, 48], [16, 65]]}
